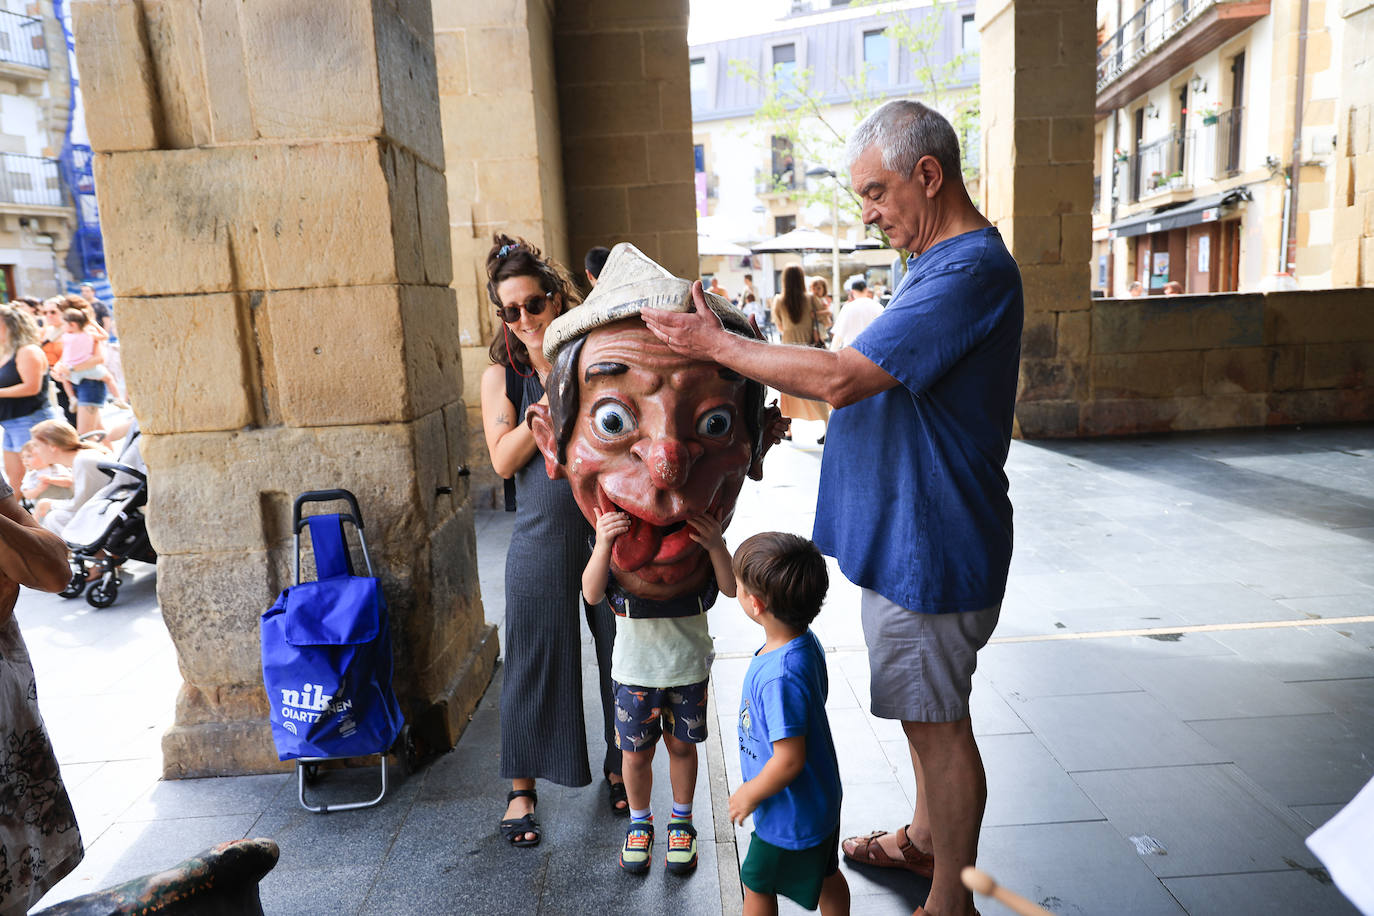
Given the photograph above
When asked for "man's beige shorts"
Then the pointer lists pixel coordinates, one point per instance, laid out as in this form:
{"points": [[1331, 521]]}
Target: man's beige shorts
{"points": [[921, 665]]}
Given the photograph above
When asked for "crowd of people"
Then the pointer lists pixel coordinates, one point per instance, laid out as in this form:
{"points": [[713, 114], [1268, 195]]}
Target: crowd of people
{"points": [[928, 382]]}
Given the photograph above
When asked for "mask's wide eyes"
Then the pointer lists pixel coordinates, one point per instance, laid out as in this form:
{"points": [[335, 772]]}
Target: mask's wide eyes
{"points": [[612, 419], [715, 423]]}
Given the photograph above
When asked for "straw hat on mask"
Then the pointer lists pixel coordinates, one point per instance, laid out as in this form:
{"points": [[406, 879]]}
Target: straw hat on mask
{"points": [[630, 282]]}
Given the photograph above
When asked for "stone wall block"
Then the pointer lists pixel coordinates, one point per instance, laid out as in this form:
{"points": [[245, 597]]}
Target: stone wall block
{"points": [[314, 68], [408, 85], [431, 190], [175, 43], [1325, 405], [475, 119], [1031, 141], [1048, 91], [451, 62], [220, 749], [1050, 380], [675, 105], [1047, 419], [666, 54], [1187, 323], [1038, 336], [399, 166], [677, 251], [662, 207], [1251, 369], [584, 15], [326, 373], [1055, 287], [506, 186], [1339, 365], [602, 58], [226, 74], [498, 59], [670, 155], [464, 14], [1329, 316], [1071, 139], [598, 213], [1034, 239], [633, 108], [247, 218], [117, 75], [197, 379], [1057, 188], [1146, 375], [1074, 335], [211, 604], [591, 162], [434, 370]]}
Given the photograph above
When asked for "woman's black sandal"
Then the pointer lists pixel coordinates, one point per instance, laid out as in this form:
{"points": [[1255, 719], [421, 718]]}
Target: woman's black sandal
{"points": [[515, 828], [617, 799]]}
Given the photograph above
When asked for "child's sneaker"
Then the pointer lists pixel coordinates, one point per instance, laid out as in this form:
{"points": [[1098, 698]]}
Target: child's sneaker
{"points": [[639, 846], [682, 846]]}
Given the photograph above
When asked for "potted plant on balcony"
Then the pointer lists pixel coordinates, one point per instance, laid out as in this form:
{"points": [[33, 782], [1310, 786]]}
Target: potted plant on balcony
{"points": [[1121, 155], [1210, 115], [1175, 179], [1157, 180]]}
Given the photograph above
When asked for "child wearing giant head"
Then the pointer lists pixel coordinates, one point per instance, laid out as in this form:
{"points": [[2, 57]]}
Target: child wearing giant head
{"points": [[656, 447]]}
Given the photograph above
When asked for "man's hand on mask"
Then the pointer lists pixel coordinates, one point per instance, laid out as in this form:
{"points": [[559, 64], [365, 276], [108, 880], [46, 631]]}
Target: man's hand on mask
{"points": [[687, 333]]}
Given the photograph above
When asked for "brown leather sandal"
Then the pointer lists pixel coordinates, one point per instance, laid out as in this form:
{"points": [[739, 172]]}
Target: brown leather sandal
{"points": [[866, 851]]}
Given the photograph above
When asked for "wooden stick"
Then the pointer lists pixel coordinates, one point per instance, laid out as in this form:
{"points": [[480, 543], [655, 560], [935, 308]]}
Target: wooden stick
{"points": [[980, 882]]}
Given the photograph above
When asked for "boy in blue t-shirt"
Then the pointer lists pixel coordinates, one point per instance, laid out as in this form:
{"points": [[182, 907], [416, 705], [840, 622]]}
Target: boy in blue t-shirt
{"points": [[792, 779]]}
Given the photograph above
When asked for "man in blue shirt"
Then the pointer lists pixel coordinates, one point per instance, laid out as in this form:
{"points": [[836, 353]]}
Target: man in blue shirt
{"points": [[913, 498]]}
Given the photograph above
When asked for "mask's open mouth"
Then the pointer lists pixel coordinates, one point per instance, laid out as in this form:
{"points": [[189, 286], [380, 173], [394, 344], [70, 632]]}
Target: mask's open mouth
{"points": [[648, 544]]}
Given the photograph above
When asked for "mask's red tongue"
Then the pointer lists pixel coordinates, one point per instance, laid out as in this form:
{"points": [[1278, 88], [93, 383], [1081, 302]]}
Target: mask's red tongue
{"points": [[637, 546]]}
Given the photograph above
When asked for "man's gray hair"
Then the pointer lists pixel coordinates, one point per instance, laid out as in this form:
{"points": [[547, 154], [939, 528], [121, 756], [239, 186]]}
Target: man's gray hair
{"points": [[905, 131]]}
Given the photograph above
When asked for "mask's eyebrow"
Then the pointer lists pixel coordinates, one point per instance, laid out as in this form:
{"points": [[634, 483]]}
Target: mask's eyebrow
{"points": [[730, 375], [596, 369]]}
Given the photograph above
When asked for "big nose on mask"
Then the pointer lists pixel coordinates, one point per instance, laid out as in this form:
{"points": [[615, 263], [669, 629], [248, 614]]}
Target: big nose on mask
{"points": [[669, 462]]}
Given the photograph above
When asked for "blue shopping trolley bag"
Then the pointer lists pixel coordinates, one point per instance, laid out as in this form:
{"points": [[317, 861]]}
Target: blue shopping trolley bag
{"points": [[326, 657]]}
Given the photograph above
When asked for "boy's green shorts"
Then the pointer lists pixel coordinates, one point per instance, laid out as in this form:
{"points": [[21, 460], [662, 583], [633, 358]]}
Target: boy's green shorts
{"points": [[796, 874]]}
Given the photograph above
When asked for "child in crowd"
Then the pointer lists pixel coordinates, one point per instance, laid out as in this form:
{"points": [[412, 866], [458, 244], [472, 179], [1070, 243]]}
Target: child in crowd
{"points": [[659, 669], [787, 757], [78, 345], [43, 479]]}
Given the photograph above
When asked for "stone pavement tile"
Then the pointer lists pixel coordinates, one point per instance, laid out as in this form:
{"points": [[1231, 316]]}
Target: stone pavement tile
{"points": [[104, 727], [1362, 634], [1027, 786], [1023, 615], [130, 850], [1047, 557], [1119, 650], [363, 835], [1163, 566], [1099, 619], [1360, 604], [107, 790], [1025, 670], [317, 888], [1302, 760], [1285, 533], [1293, 891], [209, 797], [1351, 698], [1083, 869], [1115, 731], [1078, 590], [1300, 653], [1218, 601], [587, 878], [991, 714], [1316, 815], [1199, 820], [1292, 577], [1219, 687]]}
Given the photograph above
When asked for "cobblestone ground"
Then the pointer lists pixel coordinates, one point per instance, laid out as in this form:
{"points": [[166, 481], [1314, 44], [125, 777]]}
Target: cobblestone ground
{"points": [[1181, 689]]}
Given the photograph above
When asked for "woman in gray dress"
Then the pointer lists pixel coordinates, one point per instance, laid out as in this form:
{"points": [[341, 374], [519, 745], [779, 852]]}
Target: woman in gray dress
{"points": [[543, 733], [39, 842]]}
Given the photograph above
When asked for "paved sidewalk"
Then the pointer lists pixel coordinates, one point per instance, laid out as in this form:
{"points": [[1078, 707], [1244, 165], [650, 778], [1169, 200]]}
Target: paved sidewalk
{"points": [[1181, 688]]}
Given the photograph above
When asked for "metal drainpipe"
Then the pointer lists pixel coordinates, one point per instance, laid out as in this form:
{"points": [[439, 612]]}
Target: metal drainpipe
{"points": [[1290, 231]]}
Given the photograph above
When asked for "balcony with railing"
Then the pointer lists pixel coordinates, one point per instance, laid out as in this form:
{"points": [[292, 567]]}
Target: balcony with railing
{"points": [[1161, 38], [22, 48], [29, 181], [1158, 167]]}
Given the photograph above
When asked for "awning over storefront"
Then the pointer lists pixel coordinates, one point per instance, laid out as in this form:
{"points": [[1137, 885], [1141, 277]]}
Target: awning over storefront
{"points": [[1202, 210]]}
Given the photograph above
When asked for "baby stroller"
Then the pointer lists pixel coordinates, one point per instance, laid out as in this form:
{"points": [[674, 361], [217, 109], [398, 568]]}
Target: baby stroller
{"points": [[110, 529]]}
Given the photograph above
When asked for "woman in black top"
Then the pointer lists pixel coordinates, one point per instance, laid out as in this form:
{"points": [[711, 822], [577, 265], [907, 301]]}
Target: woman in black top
{"points": [[23, 386]]}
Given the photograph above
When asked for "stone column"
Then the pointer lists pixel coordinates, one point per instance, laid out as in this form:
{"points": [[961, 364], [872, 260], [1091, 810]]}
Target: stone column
{"points": [[625, 106], [1037, 109], [501, 141], [271, 182], [1353, 205]]}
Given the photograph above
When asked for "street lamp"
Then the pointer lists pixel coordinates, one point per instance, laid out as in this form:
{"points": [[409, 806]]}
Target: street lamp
{"points": [[821, 171]]}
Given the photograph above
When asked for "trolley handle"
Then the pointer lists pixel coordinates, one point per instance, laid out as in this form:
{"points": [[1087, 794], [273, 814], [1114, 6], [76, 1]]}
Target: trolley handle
{"points": [[355, 516], [113, 467]]}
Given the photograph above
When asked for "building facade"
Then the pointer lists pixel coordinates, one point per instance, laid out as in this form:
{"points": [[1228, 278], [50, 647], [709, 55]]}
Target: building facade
{"points": [[1216, 145], [752, 179], [36, 216]]}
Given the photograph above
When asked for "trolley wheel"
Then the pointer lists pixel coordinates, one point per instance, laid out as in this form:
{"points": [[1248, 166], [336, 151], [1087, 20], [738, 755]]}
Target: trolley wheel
{"points": [[103, 594], [406, 753], [76, 586], [311, 771]]}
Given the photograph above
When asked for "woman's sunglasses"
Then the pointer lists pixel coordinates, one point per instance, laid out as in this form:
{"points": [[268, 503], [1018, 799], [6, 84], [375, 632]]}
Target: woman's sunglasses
{"points": [[510, 314]]}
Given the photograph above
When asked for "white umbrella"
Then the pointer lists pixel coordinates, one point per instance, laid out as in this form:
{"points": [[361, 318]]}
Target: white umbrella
{"points": [[800, 240], [708, 247]]}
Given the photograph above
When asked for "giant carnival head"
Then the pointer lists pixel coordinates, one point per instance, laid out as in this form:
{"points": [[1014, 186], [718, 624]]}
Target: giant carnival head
{"points": [[637, 428]]}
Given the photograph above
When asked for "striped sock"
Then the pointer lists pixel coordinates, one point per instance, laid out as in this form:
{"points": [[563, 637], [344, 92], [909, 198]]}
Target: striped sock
{"points": [[646, 814], [682, 811]]}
